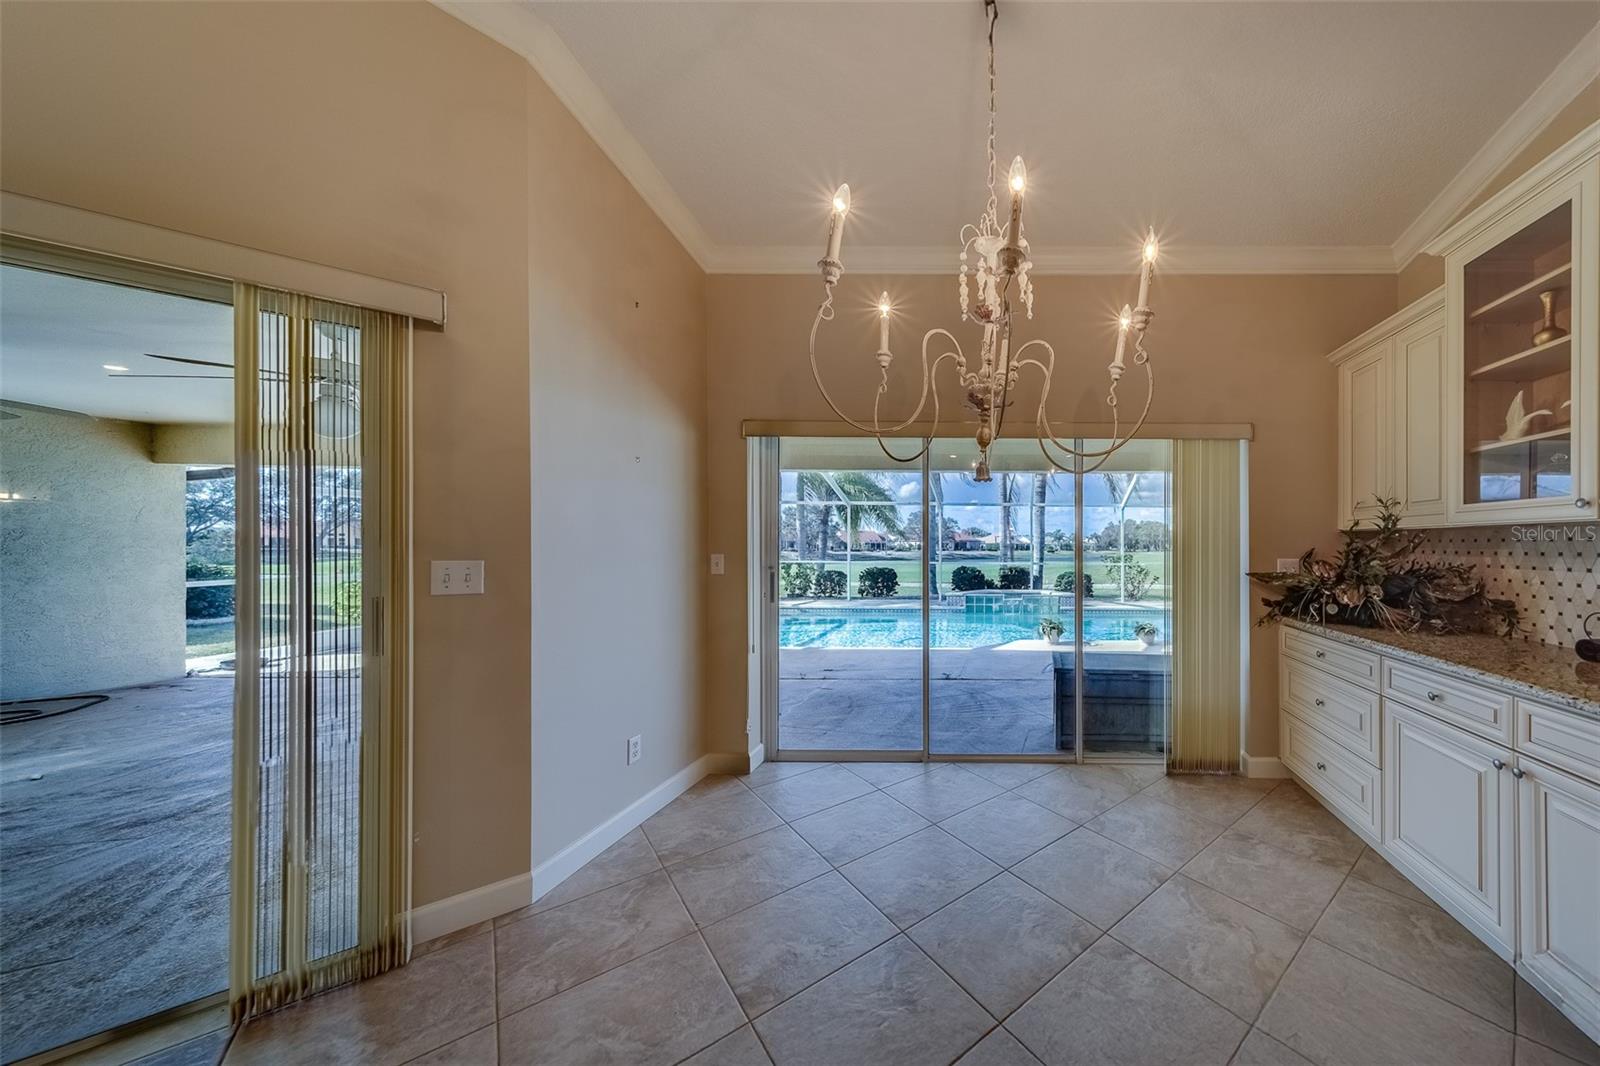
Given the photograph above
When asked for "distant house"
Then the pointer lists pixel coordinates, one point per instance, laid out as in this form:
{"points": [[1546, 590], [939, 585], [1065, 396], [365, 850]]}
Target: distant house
{"points": [[966, 542], [346, 534], [870, 540]]}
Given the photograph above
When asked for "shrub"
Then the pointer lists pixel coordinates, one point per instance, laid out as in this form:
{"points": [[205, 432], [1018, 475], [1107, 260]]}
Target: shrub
{"points": [[1137, 578], [878, 581], [1065, 579], [830, 584], [347, 603], [796, 579], [1014, 577], [209, 601], [968, 579]]}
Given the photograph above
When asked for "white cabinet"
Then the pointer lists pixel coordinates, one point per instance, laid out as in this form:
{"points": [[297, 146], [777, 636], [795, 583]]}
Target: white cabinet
{"points": [[1449, 815], [1391, 413], [1560, 919]]}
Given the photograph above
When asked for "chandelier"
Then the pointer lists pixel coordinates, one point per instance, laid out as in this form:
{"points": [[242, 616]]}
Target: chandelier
{"points": [[994, 288]]}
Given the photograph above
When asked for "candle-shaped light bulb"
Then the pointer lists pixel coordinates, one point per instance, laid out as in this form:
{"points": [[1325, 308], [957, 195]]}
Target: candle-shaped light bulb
{"points": [[883, 323], [1019, 183], [1124, 322], [841, 208], [1147, 269]]}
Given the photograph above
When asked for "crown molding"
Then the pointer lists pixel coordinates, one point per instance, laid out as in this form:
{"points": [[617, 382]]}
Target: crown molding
{"points": [[520, 29], [1220, 259], [1570, 76]]}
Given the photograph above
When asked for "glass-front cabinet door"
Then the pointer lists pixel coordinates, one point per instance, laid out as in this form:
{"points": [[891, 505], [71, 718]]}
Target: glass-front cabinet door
{"points": [[1521, 296]]}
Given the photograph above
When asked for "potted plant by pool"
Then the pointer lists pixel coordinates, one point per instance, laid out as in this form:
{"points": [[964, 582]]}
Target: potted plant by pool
{"points": [[1051, 629], [1146, 632]]}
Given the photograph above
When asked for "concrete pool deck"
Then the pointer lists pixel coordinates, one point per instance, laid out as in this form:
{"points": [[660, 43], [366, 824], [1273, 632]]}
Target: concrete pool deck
{"points": [[998, 700]]}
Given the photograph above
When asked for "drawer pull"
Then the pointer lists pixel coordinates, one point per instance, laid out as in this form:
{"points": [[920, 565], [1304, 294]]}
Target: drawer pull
{"points": [[1322, 766], [1499, 764], [1435, 697], [1319, 703], [1322, 655], [1518, 772]]}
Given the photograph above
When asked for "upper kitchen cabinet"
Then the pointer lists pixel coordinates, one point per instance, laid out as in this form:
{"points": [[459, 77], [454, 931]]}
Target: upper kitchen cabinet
{"points": [[1522, 373]]}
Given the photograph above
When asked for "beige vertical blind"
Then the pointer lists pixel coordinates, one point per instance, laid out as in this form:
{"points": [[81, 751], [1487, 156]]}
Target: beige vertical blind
{"points": [[1207, 605], [321, 730]]}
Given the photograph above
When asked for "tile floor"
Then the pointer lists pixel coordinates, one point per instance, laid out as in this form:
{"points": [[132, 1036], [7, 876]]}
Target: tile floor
{"points": [[991, 915]]}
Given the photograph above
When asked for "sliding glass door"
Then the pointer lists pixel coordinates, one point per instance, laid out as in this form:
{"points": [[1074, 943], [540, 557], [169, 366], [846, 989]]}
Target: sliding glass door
{"points": [[919, 611]]}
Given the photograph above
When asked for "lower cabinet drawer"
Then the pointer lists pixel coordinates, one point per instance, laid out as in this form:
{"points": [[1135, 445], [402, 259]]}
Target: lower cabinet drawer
{"points": [[1344, 781], [1347, 713], [1472, 707], [1559, 738]]}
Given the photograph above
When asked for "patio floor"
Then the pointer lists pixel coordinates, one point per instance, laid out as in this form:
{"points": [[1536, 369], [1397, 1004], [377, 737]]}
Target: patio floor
{"points": [[983, 701]]}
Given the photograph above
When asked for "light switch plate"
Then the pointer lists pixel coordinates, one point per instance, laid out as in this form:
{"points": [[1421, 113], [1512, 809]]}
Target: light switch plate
{"points": [[457, 577], [719, 564]]}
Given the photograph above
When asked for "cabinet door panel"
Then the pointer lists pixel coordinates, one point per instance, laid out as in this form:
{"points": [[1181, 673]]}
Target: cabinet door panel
{"points": [[1364, 431], [1419, 452], [1449, 813], [1560, 867]]}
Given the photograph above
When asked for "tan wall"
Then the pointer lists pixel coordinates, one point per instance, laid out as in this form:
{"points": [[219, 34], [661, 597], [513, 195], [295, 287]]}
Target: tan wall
{"points": [[1226, 349], [1426, 272], [393, 140]]}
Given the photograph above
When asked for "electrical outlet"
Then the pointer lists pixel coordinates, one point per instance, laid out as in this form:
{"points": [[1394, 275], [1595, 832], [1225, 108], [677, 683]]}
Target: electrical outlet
{"points": [[457, 577], [719, 564], [635, 749]]}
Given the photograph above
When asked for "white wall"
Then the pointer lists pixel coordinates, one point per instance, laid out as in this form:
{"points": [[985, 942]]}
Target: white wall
{"points": [[91, 560]]}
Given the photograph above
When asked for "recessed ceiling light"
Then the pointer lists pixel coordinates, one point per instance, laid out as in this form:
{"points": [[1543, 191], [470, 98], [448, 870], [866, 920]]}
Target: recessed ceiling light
{"points": [[114, 368]]}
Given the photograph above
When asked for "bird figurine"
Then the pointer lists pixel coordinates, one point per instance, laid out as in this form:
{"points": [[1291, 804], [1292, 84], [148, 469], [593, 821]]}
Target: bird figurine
{"points": [[1517, 422]]}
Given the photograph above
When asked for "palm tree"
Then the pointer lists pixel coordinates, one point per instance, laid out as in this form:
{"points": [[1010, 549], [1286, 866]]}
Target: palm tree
{"points": [[1039, 482], [860, 490]]}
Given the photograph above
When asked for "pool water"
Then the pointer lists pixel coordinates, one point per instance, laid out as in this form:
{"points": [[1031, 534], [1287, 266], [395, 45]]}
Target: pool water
{"points": [[949, 630]]}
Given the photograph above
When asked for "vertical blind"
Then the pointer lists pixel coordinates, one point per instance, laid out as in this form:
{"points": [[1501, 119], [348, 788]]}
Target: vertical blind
{"points": [[1207, 605], [321, 721]]}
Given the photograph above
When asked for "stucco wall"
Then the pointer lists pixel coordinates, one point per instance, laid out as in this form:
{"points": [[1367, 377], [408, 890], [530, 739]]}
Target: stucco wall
{"points": [[91, 560]]}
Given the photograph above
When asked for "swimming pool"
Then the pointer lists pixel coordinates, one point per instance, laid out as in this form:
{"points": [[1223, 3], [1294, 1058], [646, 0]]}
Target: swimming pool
{"points": [[948, 630]]}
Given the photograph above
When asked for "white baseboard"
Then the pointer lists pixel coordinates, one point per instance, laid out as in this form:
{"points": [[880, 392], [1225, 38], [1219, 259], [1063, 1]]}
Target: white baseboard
{"points": [[758, 755], [468, 908], [1269, 766]]}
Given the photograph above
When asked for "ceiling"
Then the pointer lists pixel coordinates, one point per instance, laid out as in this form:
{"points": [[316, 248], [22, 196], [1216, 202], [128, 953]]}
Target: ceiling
{"points": [[58, 332], [1278, 131]]}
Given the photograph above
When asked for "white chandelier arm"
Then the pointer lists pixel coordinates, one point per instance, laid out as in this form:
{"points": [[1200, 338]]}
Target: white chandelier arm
{"points": [[927, 441], [1140, 358]]}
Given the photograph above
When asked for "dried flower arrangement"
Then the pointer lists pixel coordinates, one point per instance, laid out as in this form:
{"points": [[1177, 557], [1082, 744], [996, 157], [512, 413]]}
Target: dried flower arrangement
{"points": [[1375, 580]]}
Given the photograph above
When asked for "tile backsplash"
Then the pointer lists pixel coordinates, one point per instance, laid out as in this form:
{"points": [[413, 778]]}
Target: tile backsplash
{"points": [[1551, 572]]}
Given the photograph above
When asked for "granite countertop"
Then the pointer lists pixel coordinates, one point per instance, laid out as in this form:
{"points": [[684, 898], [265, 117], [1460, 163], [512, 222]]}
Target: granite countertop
{"points": [[1542, 672]]}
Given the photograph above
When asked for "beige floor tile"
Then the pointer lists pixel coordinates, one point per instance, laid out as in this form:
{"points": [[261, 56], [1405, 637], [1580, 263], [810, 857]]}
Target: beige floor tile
{"points": [[439, 942], [943, 791], [999, 1048], [1156, 830], [1529, 1053], [892, 1005], [630, 857], [387, 1020], [547, 953], [777, 948], [1093, 877], [1375, 870], [912, 878], [694, 824], [1421, 944], [1112, 1007], [884, 774], [796, 797], [1259, 1049], [1220, 798], [1540, 1021], [478, 1048], [1078, 793], [1010, 774], [1214, 944], [744, 873], [1333, 1008], [1002, 941], [1007, 828], [858, 826], [739, 1048], [769, 772], [1290, 819], [656, 1009], [1290, 887]]}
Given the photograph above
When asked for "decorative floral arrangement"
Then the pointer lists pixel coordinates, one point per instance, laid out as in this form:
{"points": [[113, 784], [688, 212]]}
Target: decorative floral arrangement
{"points": [[1375, 580]]}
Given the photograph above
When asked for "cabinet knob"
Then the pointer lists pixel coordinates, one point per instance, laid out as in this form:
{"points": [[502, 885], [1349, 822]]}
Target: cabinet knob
{"points": [[1580, 502], [1435, 697], [1499, 764], [1322, 655], [1319, 703], [1518, 772], [1322, 766]]}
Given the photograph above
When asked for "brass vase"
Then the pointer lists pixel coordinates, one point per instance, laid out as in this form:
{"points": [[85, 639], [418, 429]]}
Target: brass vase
{"points": [[1550, 331]]}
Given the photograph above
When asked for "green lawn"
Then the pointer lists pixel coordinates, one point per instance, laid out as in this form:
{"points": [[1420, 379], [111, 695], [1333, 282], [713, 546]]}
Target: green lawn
{"points": [[1101, 572]]}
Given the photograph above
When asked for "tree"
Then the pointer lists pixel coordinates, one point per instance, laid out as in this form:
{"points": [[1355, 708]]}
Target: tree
{"points": [[207, 505], [869, 505], [1036, 532]]}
